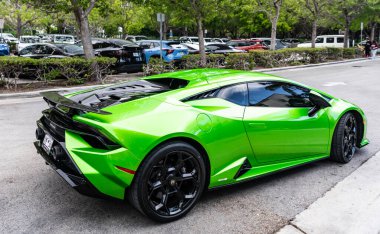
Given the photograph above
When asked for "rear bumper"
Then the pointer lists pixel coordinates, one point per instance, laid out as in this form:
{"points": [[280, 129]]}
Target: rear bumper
{"points": [[68, 170]]}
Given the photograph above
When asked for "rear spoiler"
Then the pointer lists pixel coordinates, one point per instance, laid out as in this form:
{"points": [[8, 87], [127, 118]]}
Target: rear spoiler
{"points": [[55, 99]]}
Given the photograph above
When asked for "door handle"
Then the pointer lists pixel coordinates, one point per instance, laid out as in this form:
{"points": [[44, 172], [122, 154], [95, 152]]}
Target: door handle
{"points": [[258, 125]]}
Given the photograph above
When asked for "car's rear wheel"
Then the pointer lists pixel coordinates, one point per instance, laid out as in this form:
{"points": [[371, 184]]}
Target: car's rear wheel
{"points": [[345, 139], [169, 182]]}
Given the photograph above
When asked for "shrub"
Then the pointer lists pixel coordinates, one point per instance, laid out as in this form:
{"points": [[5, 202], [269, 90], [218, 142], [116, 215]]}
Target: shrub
{"points": [[240, 61], [158, 66], [75, 70], [350, 53], [335, 53], [288, 57], [193, 61]]}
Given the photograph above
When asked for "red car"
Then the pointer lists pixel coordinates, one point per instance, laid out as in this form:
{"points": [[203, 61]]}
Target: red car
{"points": [[248, 45]]}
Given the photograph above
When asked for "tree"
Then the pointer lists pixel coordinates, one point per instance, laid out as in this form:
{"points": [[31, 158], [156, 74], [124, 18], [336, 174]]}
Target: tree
{"points": [[344, 12], [315, 8], [19, 14], [272, 9]]}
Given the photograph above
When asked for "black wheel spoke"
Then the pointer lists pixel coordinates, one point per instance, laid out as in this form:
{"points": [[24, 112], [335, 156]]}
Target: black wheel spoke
{"points": [[174, 183], [349, 138]]}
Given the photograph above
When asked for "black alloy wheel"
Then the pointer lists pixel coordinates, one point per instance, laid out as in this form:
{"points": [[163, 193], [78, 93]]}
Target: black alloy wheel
{"points": [[169, 183], [345, 139]]}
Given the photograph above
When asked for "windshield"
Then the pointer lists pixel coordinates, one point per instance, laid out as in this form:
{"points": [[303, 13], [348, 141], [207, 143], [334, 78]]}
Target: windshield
{"points": [[30, 40], [73, 49], [63, 39]]}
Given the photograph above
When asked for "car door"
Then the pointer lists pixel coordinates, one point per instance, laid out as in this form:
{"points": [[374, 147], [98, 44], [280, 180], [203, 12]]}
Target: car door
{"points": [[277, 122]]}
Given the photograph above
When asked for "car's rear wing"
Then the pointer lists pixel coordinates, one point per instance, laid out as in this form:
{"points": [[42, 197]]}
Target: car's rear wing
{"points": [[53, 98]]}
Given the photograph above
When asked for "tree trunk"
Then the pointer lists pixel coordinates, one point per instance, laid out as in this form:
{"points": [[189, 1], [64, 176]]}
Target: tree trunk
{"points": [[19, 26], [201, 40], [346, 32], [313, 33], [346, 36], [274, 21], [373, 27], [82, 21]]}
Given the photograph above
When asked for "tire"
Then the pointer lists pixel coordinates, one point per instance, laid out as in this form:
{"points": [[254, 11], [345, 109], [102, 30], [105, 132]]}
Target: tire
{"points": [[169, 182], [345, 138]]}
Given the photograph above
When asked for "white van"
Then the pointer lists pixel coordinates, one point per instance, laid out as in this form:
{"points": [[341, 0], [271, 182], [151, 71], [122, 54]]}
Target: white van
{"points": [[335, 41]]}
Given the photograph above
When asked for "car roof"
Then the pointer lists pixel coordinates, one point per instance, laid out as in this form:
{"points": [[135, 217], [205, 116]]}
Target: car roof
{"points": [[210, 75]]}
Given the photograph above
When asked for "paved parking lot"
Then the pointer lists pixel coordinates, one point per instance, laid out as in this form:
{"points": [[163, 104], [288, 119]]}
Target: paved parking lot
{"points": [[33, 198]]}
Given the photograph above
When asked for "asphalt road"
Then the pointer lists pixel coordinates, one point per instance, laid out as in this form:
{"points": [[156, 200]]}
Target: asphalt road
{"points": [[33, 198]]}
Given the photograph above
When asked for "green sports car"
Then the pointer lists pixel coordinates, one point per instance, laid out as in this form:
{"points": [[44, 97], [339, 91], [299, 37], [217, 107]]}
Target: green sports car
{"points": [[162, 140]]}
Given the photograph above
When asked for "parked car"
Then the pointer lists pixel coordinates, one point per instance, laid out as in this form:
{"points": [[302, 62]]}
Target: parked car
{"points": [[194, 48], [4, 48], [169, 53], [291, 42], [267, 41], [248, 45], [189, 40], [221, 40], [44, 50], [27, 41], [136, 38], [221, 48], [9, 38], [336, 41], [63, 39]]}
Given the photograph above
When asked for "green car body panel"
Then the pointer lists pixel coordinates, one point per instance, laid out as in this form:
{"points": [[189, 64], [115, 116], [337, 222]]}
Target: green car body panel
{"points": [[271, 139]]}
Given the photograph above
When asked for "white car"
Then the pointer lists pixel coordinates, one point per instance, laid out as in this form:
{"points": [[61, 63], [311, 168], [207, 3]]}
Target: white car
{"points": [[9, 38], [335, 41], [27, 41]]}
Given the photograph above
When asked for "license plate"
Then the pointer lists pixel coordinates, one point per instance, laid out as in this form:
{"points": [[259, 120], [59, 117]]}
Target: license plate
{"points": [[136, 54], [47, 143]]}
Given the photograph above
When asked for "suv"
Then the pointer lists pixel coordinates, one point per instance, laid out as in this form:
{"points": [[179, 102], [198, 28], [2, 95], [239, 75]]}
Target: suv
{"points": [[336, 41]]}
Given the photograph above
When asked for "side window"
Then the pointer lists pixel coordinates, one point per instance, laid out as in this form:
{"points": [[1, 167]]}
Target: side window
{"points": [[237, 94], [27, 50], [329, 40], [278, 94], [319, 40], [339, 39]]}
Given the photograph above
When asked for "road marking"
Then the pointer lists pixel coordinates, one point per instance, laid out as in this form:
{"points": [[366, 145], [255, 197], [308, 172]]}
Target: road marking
{"points": [[334, 84]]}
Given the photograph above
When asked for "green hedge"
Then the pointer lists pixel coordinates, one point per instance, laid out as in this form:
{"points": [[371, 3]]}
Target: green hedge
{"points": [[75, 70], [299, 56]]}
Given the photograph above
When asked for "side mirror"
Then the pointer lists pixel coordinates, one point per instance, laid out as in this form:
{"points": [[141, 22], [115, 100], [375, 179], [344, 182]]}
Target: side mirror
{"points": [[319, 103]]}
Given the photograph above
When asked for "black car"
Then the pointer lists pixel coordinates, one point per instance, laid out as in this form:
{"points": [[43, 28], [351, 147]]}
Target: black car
{"points": [[44, 50], [130, 56]]}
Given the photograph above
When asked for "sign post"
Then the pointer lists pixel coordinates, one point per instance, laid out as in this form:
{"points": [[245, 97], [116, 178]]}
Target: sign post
{"points": [[161, 19], [361, 31], [1, 26]]}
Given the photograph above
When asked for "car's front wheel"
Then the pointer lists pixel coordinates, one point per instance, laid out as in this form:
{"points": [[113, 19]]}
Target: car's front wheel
{"points": [[169, 182], [344, 139]]}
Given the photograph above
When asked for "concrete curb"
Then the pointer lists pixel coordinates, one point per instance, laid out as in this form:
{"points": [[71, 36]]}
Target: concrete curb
{"points": [[37, 93], [351, 206], [311, 65]]}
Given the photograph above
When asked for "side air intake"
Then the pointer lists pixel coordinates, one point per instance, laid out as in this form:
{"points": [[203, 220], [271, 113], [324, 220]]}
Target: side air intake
{"points": [[246, 166]]}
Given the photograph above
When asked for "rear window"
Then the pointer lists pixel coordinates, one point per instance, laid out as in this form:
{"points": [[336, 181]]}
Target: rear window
{"points": [[169, 83]]}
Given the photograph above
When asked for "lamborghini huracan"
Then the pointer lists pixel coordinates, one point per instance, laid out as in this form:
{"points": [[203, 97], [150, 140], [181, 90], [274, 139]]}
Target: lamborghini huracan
{"points": [[161, 141]]}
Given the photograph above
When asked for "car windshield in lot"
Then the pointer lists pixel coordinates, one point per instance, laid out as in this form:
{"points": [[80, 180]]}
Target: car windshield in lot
{"points": [[30, 40], [71, 49]]}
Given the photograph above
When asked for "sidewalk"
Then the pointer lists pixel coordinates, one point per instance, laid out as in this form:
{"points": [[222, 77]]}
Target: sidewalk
{"points": [[351, 207]]}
